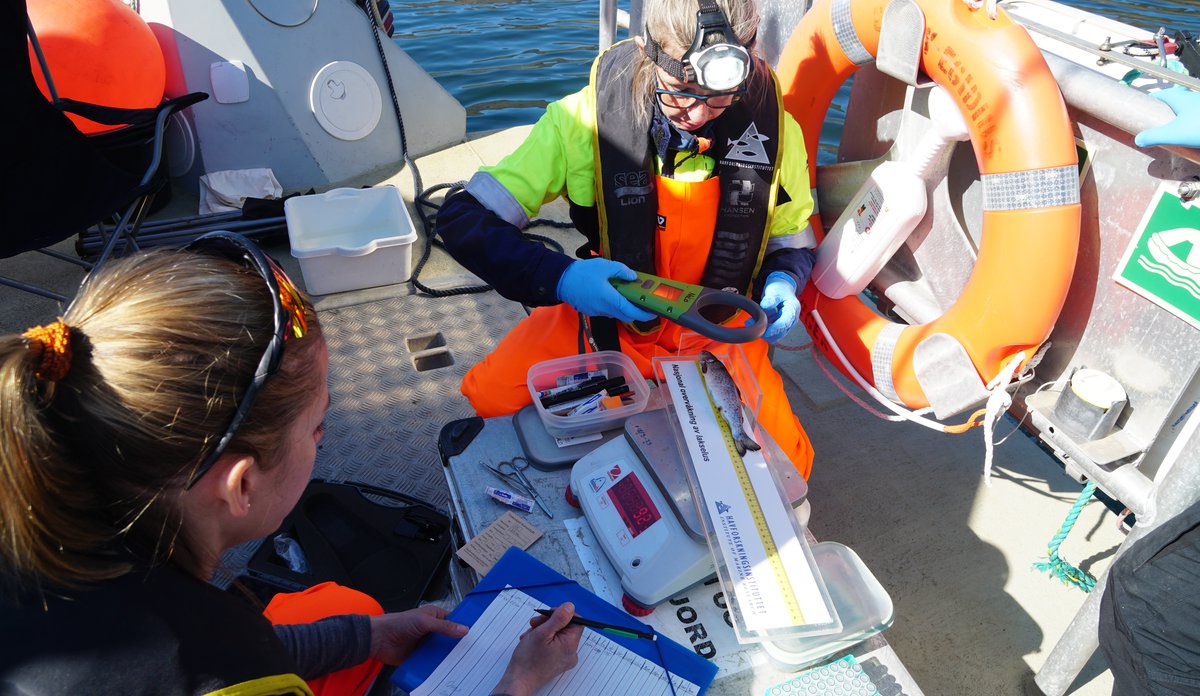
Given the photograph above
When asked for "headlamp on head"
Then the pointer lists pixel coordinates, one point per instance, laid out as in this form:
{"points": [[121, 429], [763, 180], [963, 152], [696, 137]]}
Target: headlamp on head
{"points": [[715, 60]]}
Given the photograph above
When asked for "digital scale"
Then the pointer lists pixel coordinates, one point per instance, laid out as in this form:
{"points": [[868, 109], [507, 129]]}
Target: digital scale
{"points": [[635, 494]]}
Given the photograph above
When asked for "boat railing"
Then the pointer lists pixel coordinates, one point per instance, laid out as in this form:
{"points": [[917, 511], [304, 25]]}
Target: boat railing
{"points": [[613, 18], [1106, 54]]}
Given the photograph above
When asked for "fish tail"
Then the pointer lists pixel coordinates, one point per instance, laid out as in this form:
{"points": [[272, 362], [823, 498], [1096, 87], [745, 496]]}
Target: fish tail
{"points": [[746, 443]]}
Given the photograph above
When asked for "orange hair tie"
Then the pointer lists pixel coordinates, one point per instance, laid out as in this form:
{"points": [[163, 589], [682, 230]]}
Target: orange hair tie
{"points": [[50, 350]]}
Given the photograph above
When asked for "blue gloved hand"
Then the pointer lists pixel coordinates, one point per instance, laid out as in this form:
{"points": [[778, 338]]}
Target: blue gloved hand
{"points": [[584, 286], [1185, 129], [780, 303]]}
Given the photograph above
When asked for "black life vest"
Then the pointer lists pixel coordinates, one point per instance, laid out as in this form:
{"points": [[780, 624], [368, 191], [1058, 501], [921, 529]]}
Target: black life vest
{"points": [[746, 146], [162, 632]]}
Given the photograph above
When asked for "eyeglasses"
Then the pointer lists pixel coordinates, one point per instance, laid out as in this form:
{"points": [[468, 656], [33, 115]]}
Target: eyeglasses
{"points": [[287, 316], [686, 100]]}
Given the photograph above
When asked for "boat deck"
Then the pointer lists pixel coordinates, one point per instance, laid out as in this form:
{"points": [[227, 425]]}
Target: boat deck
{"points": [[972, 616]]}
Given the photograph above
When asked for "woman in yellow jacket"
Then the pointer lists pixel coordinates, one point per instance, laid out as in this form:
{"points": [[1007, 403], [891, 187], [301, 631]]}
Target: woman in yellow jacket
{"points": [[678, 160]]}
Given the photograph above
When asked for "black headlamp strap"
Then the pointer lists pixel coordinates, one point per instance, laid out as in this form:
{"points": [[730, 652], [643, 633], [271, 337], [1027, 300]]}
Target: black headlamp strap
{"points": [[675, 68], [710, 19]]}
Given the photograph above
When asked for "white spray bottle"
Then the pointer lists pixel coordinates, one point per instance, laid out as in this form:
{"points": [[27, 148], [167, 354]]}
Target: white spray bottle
{"points": [[886, 208]]}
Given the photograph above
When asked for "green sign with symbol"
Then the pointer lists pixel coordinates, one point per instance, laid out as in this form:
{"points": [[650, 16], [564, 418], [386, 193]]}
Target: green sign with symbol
{"points": [[1162, 262]]}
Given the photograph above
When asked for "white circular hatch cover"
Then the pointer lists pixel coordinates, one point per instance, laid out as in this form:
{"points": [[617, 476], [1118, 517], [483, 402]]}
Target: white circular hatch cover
{"points": [[346, 100]]}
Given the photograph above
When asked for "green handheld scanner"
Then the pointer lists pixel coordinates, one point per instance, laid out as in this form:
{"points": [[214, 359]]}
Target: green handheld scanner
{"points": [[682, 303]]}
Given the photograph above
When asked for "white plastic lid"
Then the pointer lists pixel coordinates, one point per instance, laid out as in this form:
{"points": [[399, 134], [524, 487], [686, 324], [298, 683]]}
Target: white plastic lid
{"points": [[346, 100], [1097, 388]]}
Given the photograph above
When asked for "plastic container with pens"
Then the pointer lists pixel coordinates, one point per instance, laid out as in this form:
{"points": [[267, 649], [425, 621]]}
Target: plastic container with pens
{"points": [[586, 394]]}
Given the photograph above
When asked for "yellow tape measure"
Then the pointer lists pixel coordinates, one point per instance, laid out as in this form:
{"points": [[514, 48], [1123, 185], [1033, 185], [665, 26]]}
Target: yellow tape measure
{"points": [[760, 520]]}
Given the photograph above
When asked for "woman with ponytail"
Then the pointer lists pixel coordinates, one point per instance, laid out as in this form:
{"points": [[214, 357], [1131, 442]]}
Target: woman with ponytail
{"points": [[173, 412]]}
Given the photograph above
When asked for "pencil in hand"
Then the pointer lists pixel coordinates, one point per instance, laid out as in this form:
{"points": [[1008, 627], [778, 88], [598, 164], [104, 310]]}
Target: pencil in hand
{"points": [[606, 627]]}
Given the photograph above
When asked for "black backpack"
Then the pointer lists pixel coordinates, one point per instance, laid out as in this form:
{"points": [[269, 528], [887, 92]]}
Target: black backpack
{"points": [[1150, 612]]}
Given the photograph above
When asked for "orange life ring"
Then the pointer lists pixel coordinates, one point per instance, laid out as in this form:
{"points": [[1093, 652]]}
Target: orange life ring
{"points": [[1025, 149]]}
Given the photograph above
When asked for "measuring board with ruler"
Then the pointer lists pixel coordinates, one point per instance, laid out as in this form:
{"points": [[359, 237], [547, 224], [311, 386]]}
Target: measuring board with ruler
{"points": [[762, 557]]}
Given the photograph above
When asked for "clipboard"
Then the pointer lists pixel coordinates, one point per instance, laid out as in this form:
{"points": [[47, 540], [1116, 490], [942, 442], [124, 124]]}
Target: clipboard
{"points": [[524, 572]]}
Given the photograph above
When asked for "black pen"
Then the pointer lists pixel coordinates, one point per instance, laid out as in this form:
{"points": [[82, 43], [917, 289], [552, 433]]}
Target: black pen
{"points": [[610, 628]]}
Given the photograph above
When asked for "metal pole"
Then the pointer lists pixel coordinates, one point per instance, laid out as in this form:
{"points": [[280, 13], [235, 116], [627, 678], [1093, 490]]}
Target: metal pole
{"points": [[637, 20], [608, 23], [1176, 488], [249, 228]]}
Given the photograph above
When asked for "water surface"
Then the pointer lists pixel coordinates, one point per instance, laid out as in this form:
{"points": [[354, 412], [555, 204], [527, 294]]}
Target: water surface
{"points": [[505, 61]]}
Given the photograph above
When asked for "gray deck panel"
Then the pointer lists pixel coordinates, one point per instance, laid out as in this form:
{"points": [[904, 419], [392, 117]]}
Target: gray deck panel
{"points": [[385, 414]]}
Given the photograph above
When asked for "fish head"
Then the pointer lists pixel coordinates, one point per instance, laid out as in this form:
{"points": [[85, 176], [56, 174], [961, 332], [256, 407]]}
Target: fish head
{"points": [[707, 359]]}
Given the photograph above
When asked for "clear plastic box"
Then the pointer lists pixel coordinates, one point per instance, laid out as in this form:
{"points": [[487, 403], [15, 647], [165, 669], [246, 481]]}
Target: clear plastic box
{"points": [[545, 375], [862, 604]]}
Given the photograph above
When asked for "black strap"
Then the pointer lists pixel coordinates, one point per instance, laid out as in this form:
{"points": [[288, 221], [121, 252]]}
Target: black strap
{"points": [[604, 333], [115, 116]]}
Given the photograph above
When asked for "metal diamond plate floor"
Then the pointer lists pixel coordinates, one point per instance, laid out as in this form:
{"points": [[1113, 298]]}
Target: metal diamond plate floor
{"points": [[395, 365], [386, 413]]}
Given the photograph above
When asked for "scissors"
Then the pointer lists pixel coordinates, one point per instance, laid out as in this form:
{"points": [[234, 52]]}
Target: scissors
{"points": [[513, 472], [682, 303]]}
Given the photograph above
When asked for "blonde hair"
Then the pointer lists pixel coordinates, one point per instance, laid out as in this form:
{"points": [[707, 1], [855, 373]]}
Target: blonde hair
{"points": [[672, 23], [164, 343]]}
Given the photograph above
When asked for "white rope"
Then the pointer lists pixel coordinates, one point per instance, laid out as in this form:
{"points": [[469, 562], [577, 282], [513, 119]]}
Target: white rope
{"points": [[837, 382], [903, 413], [1045, 385], [997, 404], [991, 6]]}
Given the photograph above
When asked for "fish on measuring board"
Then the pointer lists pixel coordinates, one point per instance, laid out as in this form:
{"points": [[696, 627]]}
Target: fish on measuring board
{"points": [[727, 398]]}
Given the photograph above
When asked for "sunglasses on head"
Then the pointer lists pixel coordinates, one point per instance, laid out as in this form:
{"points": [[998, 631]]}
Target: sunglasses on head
{"points": [[287, 316]]}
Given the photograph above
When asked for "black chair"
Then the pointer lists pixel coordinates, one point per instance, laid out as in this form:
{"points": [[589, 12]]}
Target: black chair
{"points": [[61, 182]]}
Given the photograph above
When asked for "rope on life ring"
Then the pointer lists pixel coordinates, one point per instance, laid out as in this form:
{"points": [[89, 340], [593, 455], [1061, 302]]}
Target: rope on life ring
{"points": [[1025, 148]]}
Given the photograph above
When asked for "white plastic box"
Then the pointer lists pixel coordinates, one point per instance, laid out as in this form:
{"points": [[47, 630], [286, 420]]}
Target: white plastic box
{"points": [[544, 375], [349, 239]]}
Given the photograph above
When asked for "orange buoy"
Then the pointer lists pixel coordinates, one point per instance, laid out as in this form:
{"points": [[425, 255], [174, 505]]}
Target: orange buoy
{"points": [[1025, 149], [100, 52]]}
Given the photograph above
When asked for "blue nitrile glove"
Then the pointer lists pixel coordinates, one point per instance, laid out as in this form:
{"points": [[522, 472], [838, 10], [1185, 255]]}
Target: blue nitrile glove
{"points": [[780, 304], [584, 286], [1184, 130]]}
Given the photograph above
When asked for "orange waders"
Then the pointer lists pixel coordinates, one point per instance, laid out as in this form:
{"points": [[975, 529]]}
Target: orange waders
{"points": [[319, 602], [496, 386]]}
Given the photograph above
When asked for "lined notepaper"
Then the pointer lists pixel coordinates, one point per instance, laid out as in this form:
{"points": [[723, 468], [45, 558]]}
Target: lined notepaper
{"points": [[478, 661]]}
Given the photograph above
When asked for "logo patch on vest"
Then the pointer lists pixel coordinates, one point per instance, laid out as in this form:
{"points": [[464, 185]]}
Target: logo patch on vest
{"points": [[739, 202], [741, 192], [662, 222], [631, 188], [749, 147]]}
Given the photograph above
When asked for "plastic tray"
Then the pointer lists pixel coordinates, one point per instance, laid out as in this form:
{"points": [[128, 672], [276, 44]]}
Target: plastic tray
{"points": [[544, 375], [861, 602]]}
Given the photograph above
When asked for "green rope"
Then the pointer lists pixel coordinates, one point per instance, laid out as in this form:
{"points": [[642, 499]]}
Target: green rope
{"points": [[1056, 565]]}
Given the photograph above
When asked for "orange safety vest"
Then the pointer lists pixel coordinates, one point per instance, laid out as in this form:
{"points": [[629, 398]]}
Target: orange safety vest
{"points": [[318, 602]]}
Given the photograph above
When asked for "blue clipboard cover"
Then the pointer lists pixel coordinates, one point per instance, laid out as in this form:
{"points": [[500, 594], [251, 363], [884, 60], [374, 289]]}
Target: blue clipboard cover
{"points": [[519, 570]]}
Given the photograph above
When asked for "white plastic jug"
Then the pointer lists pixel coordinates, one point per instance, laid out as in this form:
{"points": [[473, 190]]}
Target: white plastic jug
{"points": [[886, 208]]}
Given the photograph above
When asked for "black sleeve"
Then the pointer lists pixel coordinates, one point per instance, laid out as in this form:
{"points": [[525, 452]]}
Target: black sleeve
{"points": [[520, 269], [327, 645], [797, 263]]}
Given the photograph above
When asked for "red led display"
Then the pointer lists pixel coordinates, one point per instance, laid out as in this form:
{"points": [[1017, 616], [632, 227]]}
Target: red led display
{"points": [[633, 504]]}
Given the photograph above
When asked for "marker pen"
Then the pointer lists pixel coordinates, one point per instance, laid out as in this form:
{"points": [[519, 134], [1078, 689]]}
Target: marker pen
{"points": [[517, 501]]}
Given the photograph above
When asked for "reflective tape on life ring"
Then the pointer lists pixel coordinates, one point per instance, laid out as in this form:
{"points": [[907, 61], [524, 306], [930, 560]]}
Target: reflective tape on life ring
{"points": [[1028, 190], [847, 37]]}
